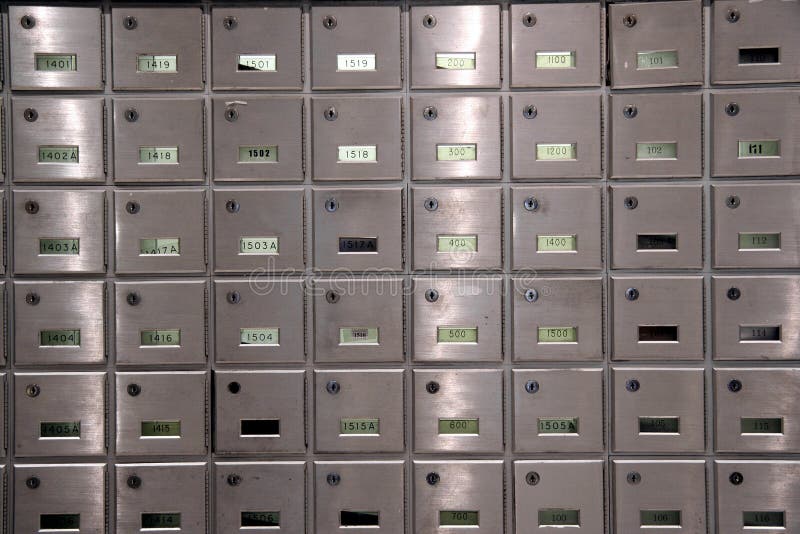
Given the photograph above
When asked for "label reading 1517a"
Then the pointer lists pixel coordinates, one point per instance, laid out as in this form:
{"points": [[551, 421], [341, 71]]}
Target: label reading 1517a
{"points": [[59, 338], [58, 154], [156, 63], [56, 62], [59, 246]]}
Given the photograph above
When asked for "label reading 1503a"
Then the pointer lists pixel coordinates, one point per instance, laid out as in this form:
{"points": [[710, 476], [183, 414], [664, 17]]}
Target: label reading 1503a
{"points": [[156, 63], [258, 154], [760, 149], [59, 338], [161, 429], [555, 60], [261, 519], [455, 60], [56, 62], [658, 59], [59, 246], [355, 62], [559, 517], [660, 518], [558, 425], [556, 151], [460, 152], [158, 155], [58, 154], [657, 151], [357, 154], [256, 62], [160, 246], [160, 338], [557, 243], [259, 336], [360, 426], [457, 334], [558, 334], [458, 426], [459, 518], [60, 429], [359, 335], [258, 246], [161, 521]]}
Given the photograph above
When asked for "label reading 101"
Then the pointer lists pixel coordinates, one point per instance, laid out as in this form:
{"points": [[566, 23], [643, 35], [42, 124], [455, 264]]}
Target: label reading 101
{"points": [[60, 429], [256, 62], [558, 334], [458, 426], [556, 151], [763, 519], [158, 155], [58, 154], [457, 334], [358, 335], [459, 518], [56, 62], [259, 336], [455, 61], [555, 60], [659, 59], [461, 152], [660, 518], [162, 521], [558, 425], [258, 154], [59, 338], [157, 64], [358, 154], [556, 243], [760, 149], [261, 519], [59, 246], [559, 518], [258, 246], [355, 62], [161, 429], [657, 151], [360, 426], [160, 338], [755, 241], [160, 246]]}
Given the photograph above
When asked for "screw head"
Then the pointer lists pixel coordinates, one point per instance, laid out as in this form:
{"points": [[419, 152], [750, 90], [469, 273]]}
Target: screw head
{"points": [[132, 207], [732, 15], [431, 295], [31, 207], [735, 386], [329, 22], [734, 293], [134, 482], [230, 22], [732, 109], [233, 479], [532, 386], [531, 203], [131, 115], [333, 387], [430, 113], [431, 204], [30, 114], [633, 477], [530, 112], [130, 22], [330, 114], [632, 385], [733, 202], [232, 206], [134, 390], [332, 297], [432, 387], [429, 21], [234, 387], [133, 299], [331, 205], [27, 22], [629, 20], [32, 299], [231, 114], [532, 478], [233, 297], [736, 478], [432, 478], [631, 293], [630, 202], [630, 111], [529, 20], [333, 479], [33, 482], [531, 295], [33, 390]]}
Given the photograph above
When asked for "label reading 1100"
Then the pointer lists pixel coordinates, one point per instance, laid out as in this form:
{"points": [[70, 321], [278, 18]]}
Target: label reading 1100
{"points": [[56, 62], [156, 64], [58, 154], [59, 246], [555, 60], [59, 338]]}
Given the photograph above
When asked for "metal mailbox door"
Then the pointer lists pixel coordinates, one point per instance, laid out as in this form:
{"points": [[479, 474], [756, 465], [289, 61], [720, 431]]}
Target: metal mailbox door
{"points": [[656, 135], [359, 497], [558, 410], [456, 137], [162, 413], [258, 138], [557, 319], [260, 495], [458, 410], [756, 225], [359, 411], [457, 319], [60, 497], [464, 494], [59, 322], [160, 231], [257, 48], [358, 228], [261, 320], [3, 419], [359, 319], [552, 496], [557, 227], [357, 137], [656, 226], [158, 48], [455, 46], [159, 140], [59, 414], [58, 139], [657, 317], [755, 133], [259, 231], [161, 322], [556, 135], [756, 410], [543, 54], [259, 412], [162, 497], [56, 48], [660, 496], [755, 317], [457, 228], [356, 47], [656, 44], [658, 409], [754, 43], [59, 232]]}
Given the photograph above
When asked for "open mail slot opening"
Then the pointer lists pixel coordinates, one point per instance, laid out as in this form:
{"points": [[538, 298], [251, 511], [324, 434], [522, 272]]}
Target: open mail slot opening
{"points": [[656, 242], [463, 427], [759, 241], [558, 426], [768, 55], [59, 246], [459, 518], [60, 338], [355, 62], [259, 428], [61, 154], [59, 522], [56, 62], [60, 430], [456, 60], [658, 333], [255, 520], [160, 430], [559, 517], [256, 63], [161, 521], [359, 427], [660, 518], [763, 519], [660, 425], [358, 245], [759, 334], [348, 518], [762, 425]]}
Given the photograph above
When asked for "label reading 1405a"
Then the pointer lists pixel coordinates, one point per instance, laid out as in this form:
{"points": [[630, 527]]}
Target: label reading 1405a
{"points": [[56, 62], [59, 246], [60, 429], [258, 246], [158, 155], [156, 64], [256, 62], [161, 429], [58, 154], [160, 338], [258, 154], [558, 425], [259, 336], [59, 338], [160, 246]]}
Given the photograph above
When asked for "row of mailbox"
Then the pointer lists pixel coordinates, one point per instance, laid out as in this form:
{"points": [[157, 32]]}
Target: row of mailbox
{"points": [[553, 135], [361, 47], [653, 410], [365, 320], [647, 495], [258, 231]]}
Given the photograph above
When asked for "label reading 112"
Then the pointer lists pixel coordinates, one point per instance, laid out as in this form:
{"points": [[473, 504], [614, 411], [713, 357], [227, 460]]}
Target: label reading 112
{"points": [[156, 64]]}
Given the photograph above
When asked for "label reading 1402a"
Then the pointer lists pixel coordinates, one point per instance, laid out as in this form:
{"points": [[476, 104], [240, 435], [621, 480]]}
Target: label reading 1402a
{"points": [[58, 154], [60, 429], [160, 338], [355, 62], [59, 246], [258, 246], [259, 336], [256, 62], [158, 155], [161, 429], [56, 62], [59, 338], [258, 154], [157, 64]]}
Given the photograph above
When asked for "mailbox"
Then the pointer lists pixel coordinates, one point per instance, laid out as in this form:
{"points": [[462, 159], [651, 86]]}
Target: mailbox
{"points": [[257, 48], [162, 413], [258, 139], [59, 232], [656, 135], [359, 496], [456, 137], [159, 140], [158, 48], [455, 46], [655, 44], [556, 45], [555, 495], [260, 495], [259, 412], [59, 322], [357, 137], [261, 320], [359, 411], [161, 497], [458, 410], [56, 48], [658, 409], [161, 322], [356, 47], [550, 417], [659, 496], [557, 319], [657, 317], [465, 494], [60, 497], [548, 233], [160, 231], [556, 135], [58, 139], [656, 226], [59, 414], [756, 410]]}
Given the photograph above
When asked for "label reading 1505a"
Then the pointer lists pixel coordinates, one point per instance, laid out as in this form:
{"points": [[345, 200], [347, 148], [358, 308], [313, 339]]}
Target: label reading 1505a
{"points": [[359, 426], [458, 426], [258, 246], [156, 63], [60, 429], [160, 246], [555, 60], [259, 336], [460, 152], [657, 151], [258, 154], [58, 154], [557, 243], [558, 425], [56, 62], [558, 334], [556, 151], [559, 518], [161, 521], [658, 59], [59, 246], [261, 519], [455, 60], [158, 155], [359, 335], [161, 429], [160, 338], [256, 62], [760, 149], [59, 338], [459, 518], [457, 334], [357, 154], [355, 62]]}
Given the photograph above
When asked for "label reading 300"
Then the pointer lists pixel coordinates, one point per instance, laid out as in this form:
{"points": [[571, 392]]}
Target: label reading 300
{"points": [[460, 152]]}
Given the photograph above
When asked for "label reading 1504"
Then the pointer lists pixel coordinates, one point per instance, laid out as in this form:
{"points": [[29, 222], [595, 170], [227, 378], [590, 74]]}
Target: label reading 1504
{"points": [[259, 336]]}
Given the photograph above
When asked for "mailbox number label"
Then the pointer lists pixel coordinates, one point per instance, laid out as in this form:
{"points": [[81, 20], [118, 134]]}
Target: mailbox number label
{"points": [[658, 59], [558, 425], [759, 334], [161, 521], [256, 62], [156, 338], [161, 429], [556, 151], [59, 338], [48, 522], [559, 517], [457, 334], [557, 243], [660, 518], [457, 243], [455, 60], [258, 154], [369, 427], [659, 425], [58, 154], [558, 334], [555, 60], [258, 246], [358, 154], [59, 246], [160, 246], [760, 149], [658, 151], [359, 335], [461, 152], [56, 62], [259, 336], [459, 426], [60, 429], [459, 518], [261, 519], [158, 155], [355, 62], [763, 519], [158, 64], [761, 425], [755, 241]]}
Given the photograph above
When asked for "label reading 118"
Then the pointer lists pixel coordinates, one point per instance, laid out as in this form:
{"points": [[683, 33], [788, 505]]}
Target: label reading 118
{"points": [[58, 154]]}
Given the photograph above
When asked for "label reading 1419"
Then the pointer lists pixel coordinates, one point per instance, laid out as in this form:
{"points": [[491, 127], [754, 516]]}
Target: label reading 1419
{"points": [[156, 63]]}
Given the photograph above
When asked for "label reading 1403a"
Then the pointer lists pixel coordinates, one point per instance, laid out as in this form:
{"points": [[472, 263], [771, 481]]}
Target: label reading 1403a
{"points": [[558, 425], [59, 338], [659, 59], [256, 62], [160, 246], [259, 336], [556, 151], [359, 335], [160, 338], [258, 246], [360, 426], [58, 154], [559, 518], [162, 521], [60, 429], [760, 149], [355, 62], [56, 62], [458, 426], [261, 519], [59, 246], [158, 155], [459, 518], [358, 153], [558, 334], [258, 154], [555, 60], [156, 64], [161, 429], [660, 518], [457, 334], [460, 152]]}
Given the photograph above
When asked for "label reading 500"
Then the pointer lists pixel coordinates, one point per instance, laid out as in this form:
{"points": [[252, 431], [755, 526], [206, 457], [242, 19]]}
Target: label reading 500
{"points": [[457, 334]]}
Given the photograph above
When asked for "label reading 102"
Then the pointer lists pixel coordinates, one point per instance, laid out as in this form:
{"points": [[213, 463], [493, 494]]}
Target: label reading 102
{"points": [[58, 154], [169, 521], [559, 518], [760, 149], [160, 338], [261, 519], [457, 334], [558, 425], [558, 334], [556, 151], [258, 246], [59, 246], [60, 429], [657, 151], [156, 64], [659, 59], [458, 426], [358, 154], [461, 152], [59, 338], [161, 429], [355, 62], [259, 336], [258, 154], [158, 155], [256, 62], [56, 62], [160, 246]]}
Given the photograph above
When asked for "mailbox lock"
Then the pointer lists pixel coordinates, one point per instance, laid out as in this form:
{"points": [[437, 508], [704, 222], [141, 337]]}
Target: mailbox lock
{"points": [[333, 479], [33, 482], [632, 385], [330, 114], [629, 21], [735, 386], [134, 389], [529, 112], [31, 206], [234, 479], [732, 109], [234, 297], [736, 478], [433, 478], [231, 114], [733, 15], [130, 22], [633, 477], [531, 203], [531, 295], [331, 205], [430, 113], [333, 387], [33, 390], [631, 293], [734, 293], [131, 115], [230, 22], [234, 387], [30, 114], [232, 206], [134, 482], [132, 207], [32, 299], [431, 295], [529, 19], [431, 204], [432, 387], [332, 296], [429, 21], [329, 21], [532, 478], [133, 299], [733, 202], [531, 386], [630, 111], [630, 202], [27, 22]]}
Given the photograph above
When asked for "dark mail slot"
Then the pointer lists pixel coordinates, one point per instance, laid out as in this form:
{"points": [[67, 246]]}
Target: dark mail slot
{"points": [[750, 56], [261, 519], [260, 427], [358, 245], [657, 241], [60, 522], [658, 333], [358, 519]]}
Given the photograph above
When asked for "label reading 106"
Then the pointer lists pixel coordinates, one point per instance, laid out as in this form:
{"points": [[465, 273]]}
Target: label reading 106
{"points": [[256, 62], [58, 154], [558, 334], [56, 62], [458, 426], [59, 246], [358, 154], [156, 64], [760, 149], [660, 518], [461, 152], [156, 338], [168, 521], [60, 429], [556, 151], [258, 154], [259, 336], [258, 246], [558, 425], [559, 518], [261, 519], [161, 429], [59, 338], [555, 60], [158, 155], [160, 246]]}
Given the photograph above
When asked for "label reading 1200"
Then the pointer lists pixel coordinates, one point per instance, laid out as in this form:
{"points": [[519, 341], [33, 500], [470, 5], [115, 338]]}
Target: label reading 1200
{"points": [[58, 154], [156, 63], [161, 429], [60, 429], [556, 151], [59, 246], [56, 62], [59, 338]]}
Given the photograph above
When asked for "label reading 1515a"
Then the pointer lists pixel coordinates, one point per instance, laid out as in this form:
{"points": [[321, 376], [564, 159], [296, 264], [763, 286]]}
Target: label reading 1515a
{"points": [[559, 518], [359, 335], [558, 425], [256, 62], [156, 63], [657, 151], [58, 154], [60, 429], [160, 246], [59, 246], [558, 334], [259, 336], [261, 519], [359, 426], [660, 518], [555, 60], [460, 152], [557, 151], [258, 154], [56, 62], [357, 154], [658, 59], [161, 429], [458, 426], [258, 246], [455, 60], [459, 518], [760, 149], [158, 155], [59, 338], [355, 62], [161, 521], [160, 338], [457, 334], [557, 243]]}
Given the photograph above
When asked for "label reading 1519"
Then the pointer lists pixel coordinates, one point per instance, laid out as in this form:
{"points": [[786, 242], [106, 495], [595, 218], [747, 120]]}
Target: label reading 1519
{"points": [[261, 519]]}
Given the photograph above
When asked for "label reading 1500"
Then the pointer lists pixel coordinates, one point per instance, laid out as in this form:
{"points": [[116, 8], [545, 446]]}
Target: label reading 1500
{"points": [[58, 154], [258, 246], [59, 246], [59, 338], [60, 429], [56, 62], [258, 154], [161, 429], [558, 334], [460, 152], [158, 155], [160, 246], [156, 63], [256, 62], [259, 336], [160, 338]]}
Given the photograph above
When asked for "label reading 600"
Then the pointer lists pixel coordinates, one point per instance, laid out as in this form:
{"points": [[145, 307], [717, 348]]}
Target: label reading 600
{"points": [[458, 426]]}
